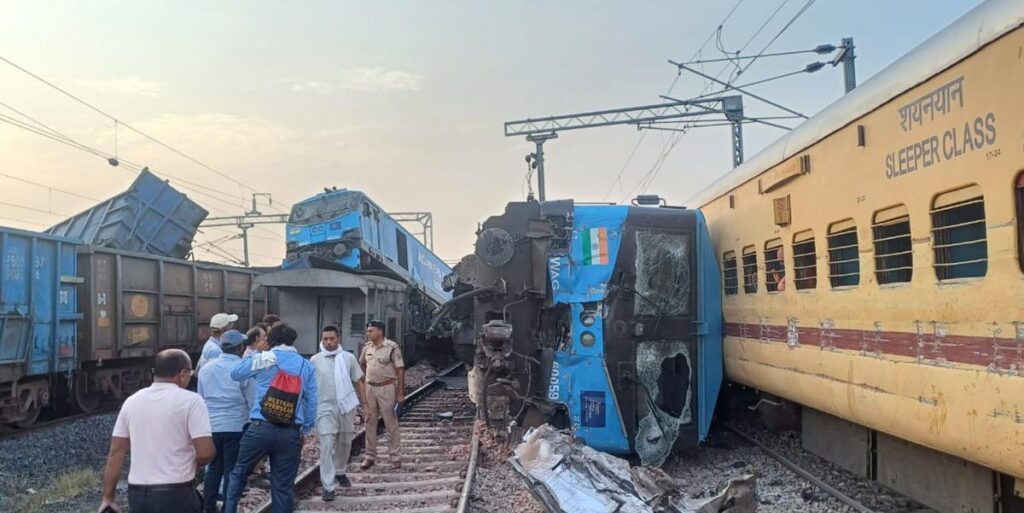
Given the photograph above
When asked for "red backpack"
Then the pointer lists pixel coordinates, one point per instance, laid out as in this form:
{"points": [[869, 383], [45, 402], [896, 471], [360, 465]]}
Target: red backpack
{"points": [[282, 399]]}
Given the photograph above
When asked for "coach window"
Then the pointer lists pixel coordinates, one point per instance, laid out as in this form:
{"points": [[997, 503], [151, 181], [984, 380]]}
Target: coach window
{"points": [[774, 266], [749, 270], [1018, 194], [805, 261], [729, 274], [958, 234], [894, 256], [843, 254]]}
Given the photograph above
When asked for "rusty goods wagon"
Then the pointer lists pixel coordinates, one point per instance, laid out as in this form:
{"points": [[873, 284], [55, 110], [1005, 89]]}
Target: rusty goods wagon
{"points": [[135, 305], [873, 269]]}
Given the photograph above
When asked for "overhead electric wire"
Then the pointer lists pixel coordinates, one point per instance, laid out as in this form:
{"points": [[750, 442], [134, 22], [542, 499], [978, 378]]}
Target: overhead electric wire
{"points": [[25, 221], [130, 166], [127, 164], [37, 184], [33, 209], [651, 175], [671, 87], [779, 34], [127, 125], [46, 131]]}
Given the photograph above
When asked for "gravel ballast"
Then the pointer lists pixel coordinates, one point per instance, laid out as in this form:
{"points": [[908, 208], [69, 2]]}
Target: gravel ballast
{"points": [[31, 463]]}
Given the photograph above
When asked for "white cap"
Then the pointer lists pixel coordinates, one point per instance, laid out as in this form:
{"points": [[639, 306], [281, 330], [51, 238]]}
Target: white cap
{"points": [[222, 320]]}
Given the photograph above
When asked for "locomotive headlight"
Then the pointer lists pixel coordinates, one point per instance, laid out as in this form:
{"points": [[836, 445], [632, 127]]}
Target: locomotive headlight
{"points": [[587, 339], [588, 319]]}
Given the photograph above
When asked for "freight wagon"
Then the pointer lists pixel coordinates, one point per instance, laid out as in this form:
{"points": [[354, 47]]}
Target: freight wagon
{"points": [[84, 321], [38, 317], [135, 305]]}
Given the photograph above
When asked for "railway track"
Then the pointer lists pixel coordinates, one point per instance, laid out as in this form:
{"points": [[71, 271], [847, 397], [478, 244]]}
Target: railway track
{"points": [[10, 432], [802, 472], [439, 455]]}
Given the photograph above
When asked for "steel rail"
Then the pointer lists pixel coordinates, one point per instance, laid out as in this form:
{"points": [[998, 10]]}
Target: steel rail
{"points": [[11, 433], [467, 486], [798, 470], [309, 473]]}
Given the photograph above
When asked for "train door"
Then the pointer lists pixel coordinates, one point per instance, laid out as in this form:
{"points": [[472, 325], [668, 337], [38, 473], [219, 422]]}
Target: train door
{"points": [[650, 330], [330, 312]]}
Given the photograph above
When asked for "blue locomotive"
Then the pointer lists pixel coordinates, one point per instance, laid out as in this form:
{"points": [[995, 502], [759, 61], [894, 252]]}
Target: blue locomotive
{"points": [[345, 228], [604, 319]]}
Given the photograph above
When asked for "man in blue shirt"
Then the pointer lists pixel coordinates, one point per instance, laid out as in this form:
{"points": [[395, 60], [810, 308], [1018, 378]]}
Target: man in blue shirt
{"points": [[273, 371], [228, 402]]}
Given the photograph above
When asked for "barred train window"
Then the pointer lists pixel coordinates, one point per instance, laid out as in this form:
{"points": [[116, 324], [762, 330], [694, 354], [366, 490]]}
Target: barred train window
{"points": [[749, 270], [958, 234], [894, 256], [729, 274], [843, 254], [774, 266], [805, 261], [1019, 196]]}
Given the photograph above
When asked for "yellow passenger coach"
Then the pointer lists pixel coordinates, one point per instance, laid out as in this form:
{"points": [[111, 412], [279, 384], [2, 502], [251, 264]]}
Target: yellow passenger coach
{"points": [[873, 263]]}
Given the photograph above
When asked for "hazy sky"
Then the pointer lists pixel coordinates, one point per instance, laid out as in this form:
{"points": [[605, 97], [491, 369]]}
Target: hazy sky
{"points": [[403, 100]]}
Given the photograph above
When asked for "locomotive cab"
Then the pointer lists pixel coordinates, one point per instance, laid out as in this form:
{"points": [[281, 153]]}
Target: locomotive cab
{"points": [[602, 319]]}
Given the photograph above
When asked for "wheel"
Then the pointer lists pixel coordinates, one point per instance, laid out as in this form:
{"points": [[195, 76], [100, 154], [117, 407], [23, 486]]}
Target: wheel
{"points": [[30, 417], [86, 400]]}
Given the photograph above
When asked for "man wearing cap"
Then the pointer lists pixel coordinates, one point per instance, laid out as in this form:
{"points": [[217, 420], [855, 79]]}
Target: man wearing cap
{"points": [[384, 370], [228, 402], [211, 349], [339, 389]]}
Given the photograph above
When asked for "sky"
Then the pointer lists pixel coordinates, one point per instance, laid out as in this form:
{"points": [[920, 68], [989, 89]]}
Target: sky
{"points": [[404, 100]]}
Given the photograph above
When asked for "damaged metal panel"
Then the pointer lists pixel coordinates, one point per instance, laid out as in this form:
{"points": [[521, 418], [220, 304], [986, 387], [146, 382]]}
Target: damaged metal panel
{"points": [[664, 370], [569, 477]]}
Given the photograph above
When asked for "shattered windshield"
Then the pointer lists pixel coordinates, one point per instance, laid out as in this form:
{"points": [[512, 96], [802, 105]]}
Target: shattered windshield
{"points": [[323, 209], [662, 274]]}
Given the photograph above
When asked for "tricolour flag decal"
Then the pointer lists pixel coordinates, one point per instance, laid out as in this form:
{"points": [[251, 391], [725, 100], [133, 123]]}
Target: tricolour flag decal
{"points": [[595, 246]]}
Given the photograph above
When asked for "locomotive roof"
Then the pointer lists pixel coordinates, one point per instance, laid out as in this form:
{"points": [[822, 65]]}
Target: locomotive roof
{"points": [[963, 37]]}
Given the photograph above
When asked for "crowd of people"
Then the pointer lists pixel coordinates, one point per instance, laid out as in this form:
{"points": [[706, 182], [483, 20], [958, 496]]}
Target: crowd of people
{"points": [[257, 399]]}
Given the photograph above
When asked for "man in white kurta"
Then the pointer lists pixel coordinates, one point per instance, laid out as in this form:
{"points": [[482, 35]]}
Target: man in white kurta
{"points": [[339, 392]]}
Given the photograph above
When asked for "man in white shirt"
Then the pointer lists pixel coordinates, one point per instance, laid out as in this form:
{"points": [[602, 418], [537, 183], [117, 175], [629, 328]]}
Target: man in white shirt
{"points": [[167, 429], [339, 391], [218, 325]]}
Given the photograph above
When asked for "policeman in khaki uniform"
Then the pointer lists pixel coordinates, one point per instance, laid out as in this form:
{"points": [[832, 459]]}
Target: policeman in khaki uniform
{"points": [[384, 372]]}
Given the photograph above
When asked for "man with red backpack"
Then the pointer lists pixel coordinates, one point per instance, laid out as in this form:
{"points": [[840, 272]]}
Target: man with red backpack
{"points": [[283, 414]]}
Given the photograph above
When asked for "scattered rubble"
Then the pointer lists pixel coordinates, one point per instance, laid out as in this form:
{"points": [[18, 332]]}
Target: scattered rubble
{"points": [[570, 477]]}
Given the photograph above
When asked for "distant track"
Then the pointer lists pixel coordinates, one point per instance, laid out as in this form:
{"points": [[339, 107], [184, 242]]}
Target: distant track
{"points": [[10, 433]]}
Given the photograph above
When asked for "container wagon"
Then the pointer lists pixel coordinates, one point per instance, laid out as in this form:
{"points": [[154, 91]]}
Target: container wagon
{"points": [[150, 217], [135, 305], [38, 317]]}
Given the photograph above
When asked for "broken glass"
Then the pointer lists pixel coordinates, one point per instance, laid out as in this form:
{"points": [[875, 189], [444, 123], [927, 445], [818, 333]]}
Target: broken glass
{"points": [[662, 274]]}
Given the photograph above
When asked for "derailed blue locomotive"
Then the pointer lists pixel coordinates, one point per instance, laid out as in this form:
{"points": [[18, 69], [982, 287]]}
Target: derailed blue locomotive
{"points": [[603, 319], [346, 228]]}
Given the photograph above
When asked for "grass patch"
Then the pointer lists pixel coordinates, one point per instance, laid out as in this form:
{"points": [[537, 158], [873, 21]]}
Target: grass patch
{"points": [[73, 484], [66, 486]]}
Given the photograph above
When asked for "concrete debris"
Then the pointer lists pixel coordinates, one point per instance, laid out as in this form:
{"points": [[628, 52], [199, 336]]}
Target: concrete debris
{"points": [[569, 477]]}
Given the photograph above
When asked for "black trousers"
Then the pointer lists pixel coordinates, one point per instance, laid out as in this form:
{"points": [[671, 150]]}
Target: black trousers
{"points": [[164, 499]]}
